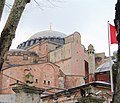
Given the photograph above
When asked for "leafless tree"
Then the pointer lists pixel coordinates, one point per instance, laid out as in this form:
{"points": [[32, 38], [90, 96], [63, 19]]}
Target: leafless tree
{"points": [[8, 32]]}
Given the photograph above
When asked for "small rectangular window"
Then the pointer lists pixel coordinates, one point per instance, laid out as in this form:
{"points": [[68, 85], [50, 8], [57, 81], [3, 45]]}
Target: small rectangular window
{"points": [[45, 82], [48, 82], [36, 80], [25, 57]]}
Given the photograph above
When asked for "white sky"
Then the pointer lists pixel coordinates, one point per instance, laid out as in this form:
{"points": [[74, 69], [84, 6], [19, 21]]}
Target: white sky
{"points": [[88, 17]]}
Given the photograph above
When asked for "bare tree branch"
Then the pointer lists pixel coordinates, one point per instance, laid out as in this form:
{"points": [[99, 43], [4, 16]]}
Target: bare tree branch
{"points": [[51, 3], [38, 5], [47, 3], [9, 6]]}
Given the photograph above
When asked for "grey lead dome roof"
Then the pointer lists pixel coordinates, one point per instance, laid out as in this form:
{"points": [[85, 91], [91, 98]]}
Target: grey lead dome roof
{"points": [[47, 34], [54, 36]]}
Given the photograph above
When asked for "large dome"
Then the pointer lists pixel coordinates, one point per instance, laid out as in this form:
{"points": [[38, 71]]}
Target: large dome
{"points": [[54, 36], [47, 34]]}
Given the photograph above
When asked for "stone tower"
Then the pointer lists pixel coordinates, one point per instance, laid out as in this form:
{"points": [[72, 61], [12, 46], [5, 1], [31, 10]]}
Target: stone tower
{"points": [[91, 59]]}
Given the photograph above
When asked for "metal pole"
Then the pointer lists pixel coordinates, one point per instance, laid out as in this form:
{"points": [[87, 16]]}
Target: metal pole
{"points": [[111, 75]]}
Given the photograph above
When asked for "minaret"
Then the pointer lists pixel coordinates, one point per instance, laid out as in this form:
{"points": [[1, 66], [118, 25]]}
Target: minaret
{"points": [[91, 59], [50, 27]]}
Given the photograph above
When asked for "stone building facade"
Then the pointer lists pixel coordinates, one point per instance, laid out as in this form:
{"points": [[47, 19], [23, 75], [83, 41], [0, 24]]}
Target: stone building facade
{"points": [[53, 60], [94, 92]]}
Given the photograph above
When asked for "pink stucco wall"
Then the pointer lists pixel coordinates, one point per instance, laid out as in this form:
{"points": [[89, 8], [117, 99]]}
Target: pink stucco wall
{"points": [[41, 72]]}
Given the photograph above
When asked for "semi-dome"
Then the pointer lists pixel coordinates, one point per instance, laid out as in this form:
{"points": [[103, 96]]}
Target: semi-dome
{"points": [[47, 34]]}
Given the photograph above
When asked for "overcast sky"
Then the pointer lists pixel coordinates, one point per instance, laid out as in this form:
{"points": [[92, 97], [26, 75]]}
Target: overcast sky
{"points": [[88, 17]]}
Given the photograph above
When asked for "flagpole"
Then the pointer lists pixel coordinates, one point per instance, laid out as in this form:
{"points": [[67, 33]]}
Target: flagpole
{"points": [[111, 75]]}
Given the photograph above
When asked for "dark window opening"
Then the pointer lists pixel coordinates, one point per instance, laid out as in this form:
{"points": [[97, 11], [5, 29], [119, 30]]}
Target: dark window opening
{"points": [[48, 82], [36, 80], [28, 43], [34, 41], [44, 81], [86, 78]]}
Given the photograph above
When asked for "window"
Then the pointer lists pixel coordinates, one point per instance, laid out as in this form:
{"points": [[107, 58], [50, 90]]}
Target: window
{"points": [[45, 82], [48, 82], [28, 43], [36, 80], [25, 57], [34, 41]]}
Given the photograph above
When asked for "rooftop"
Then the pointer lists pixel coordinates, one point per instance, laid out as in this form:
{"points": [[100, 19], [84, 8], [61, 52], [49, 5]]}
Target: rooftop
{"points": [[47, 34]]}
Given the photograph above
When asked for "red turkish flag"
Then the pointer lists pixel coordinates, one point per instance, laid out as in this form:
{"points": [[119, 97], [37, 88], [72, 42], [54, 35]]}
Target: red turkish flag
{"points": [[113, 38]]}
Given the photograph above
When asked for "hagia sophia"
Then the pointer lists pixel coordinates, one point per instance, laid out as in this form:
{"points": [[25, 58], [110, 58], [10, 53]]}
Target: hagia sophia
{"points": [[51, 59]]}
